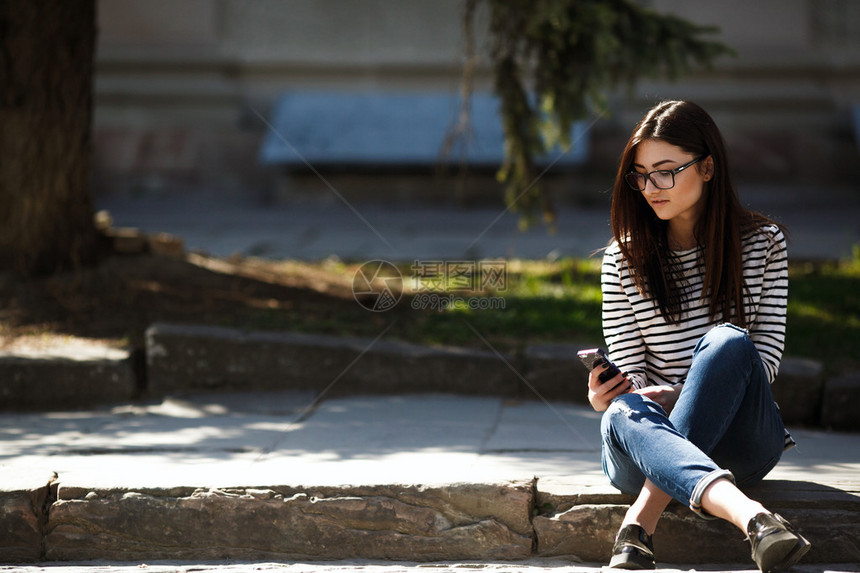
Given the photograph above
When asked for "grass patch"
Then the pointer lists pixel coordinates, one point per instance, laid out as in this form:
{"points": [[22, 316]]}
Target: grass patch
{"points": [[537, 301], [541, 302], [824, 312], [560, 302]]}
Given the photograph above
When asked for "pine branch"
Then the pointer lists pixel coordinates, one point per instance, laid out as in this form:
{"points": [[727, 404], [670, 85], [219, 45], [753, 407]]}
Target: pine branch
{"points": [[554, 61]]}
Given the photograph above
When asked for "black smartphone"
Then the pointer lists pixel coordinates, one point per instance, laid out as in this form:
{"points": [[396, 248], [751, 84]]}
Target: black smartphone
{"points": [[593, 357]]}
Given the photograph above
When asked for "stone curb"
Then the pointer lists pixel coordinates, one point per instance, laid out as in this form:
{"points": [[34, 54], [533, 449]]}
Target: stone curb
{"points": [[839, 404], [51, 381], [580, 522], [469, 521], [23, 518], [188, 358], [197, 358], [507, 521], [798, 390]]}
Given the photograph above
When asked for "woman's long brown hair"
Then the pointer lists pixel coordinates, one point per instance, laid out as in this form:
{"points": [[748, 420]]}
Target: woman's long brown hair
{"points": [[641, 235]]}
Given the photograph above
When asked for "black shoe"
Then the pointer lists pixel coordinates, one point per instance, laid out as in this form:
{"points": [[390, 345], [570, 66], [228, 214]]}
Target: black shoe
{"points": [[775, 544], [633, 549]]}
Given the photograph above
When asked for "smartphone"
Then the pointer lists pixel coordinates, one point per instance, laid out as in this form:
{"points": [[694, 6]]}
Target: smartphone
{"points": [[593, 357]]}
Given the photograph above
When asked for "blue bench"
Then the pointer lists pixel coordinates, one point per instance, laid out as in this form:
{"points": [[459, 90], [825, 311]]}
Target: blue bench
{"points": [[388, 130]]}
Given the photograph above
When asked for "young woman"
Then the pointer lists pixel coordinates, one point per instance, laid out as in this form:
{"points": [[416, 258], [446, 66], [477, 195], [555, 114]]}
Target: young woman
{"points": [[694, 299]]}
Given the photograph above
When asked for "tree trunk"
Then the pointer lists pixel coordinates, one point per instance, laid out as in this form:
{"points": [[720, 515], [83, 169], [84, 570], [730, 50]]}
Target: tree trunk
{"points": [[46, 75]]}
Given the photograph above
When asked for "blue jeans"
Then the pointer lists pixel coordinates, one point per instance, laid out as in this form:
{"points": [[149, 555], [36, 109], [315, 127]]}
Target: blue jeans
{"points": [[724, 424]]}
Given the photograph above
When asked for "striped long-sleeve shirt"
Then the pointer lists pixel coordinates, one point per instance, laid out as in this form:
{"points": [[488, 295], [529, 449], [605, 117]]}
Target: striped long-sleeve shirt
{"points": [[653, 351]]}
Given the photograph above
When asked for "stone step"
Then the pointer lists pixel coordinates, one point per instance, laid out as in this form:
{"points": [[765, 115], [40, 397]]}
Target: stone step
{"points": [[69, 375], [506, 521], [24, 502], [580, 523], [193, 358], [839, 404]]}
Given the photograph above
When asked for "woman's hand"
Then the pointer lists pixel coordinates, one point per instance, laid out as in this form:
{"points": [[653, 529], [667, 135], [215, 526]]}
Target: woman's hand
{"points": [[600, 394], [666, 396]]}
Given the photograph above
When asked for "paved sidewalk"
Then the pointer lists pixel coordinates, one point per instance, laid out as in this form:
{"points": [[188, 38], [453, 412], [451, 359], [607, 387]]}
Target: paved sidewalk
{"points": [[257, 439], [222, 440], [823, 223]]}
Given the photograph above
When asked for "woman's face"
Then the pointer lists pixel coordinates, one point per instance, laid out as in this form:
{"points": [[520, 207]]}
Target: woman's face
{"points": [[684, 202]]}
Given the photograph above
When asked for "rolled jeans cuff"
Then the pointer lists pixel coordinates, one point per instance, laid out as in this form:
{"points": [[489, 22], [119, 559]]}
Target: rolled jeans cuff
{"points": [[699, 490]]}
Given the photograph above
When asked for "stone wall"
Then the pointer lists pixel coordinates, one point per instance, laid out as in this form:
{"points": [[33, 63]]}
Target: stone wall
{"points": [[181, 87]]}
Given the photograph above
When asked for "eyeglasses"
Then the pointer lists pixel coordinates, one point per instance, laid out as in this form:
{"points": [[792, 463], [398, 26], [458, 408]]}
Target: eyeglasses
{"points": [[661, 179]]}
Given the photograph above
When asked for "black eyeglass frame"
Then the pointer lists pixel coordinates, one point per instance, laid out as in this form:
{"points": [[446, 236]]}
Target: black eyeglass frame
{"points": [[647, 176]]}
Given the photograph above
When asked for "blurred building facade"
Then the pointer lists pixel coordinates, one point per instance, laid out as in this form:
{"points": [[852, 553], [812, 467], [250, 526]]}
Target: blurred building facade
{"points": [[183, 87]]}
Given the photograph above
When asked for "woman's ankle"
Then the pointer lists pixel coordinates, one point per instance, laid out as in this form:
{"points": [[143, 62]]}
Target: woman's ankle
{"points": [[723, 499], [648, 508], [645, 524], [752, 511]]}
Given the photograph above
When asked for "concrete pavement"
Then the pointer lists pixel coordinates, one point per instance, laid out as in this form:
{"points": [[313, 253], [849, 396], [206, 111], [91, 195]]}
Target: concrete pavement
{"points": [[238, 439], [823, 223]]}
